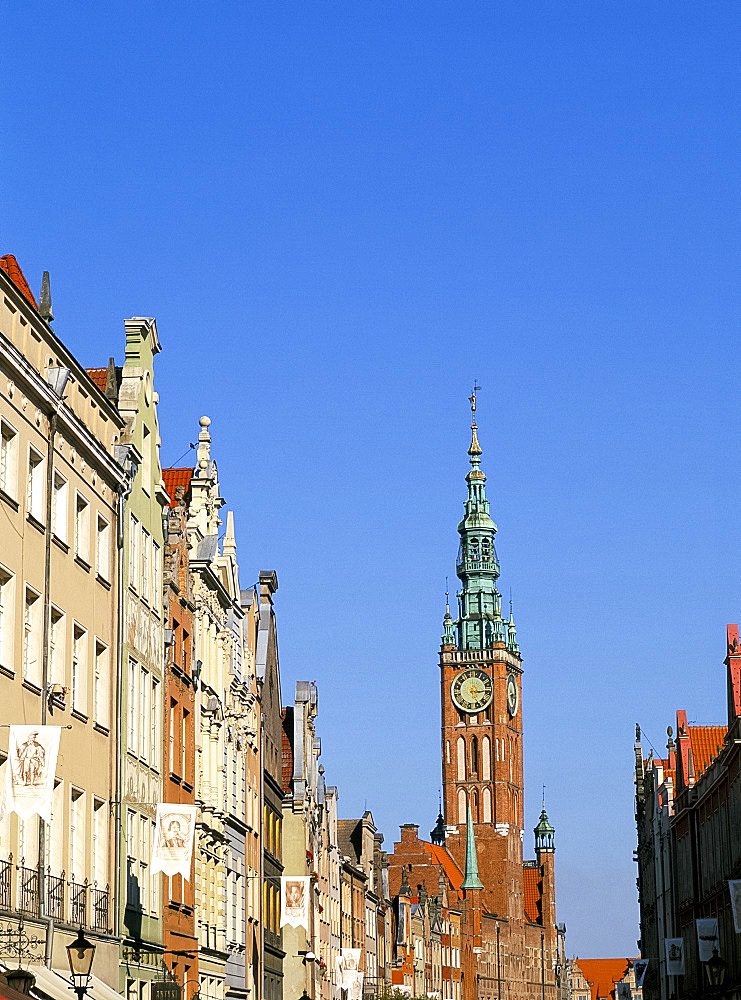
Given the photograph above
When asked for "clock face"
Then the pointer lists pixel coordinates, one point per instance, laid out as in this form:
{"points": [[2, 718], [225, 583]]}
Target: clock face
{"points": [[472, 690], [513, 695]]}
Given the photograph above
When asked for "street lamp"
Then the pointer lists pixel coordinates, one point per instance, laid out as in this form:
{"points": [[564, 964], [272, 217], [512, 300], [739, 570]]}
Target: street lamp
{"points": [[20, 979], [80, 955], [715, 969]]}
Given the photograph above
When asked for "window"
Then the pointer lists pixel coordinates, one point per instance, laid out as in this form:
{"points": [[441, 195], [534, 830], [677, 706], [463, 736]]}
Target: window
{"points": [[143, 865], [32, 637], [173, 710], [133, 551], [82, 528], [8, 459], [77, 835], [155, 727], [145, 707], [56, 646], [146, 460], [101, 684], [59, 507], [35, 485], [6, 618], [154, 877], [133, 705], [184, 744], [103, 548], [79, 669], [474, 755], [144, 583], [132, 888], [100, 844], [156, 576]]}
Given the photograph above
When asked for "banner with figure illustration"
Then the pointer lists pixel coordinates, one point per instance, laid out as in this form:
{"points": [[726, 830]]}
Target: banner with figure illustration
{"points": [[29, 771], [349, 977], [734, 887], [294, 900], [707, 938], [674, 956], [173, 842], [639, 967]]}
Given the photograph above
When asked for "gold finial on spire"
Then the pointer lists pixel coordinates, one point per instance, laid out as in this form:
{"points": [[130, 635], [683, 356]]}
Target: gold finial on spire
{"points": [[475, 448]]}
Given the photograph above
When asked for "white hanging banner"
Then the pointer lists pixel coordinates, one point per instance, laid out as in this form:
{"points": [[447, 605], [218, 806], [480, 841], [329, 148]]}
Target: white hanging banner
{"points": [[347, 969], [294, 900], [354, 986], [173, 844], [674, 956], [707, 938], [623, 991], [734, 887], [639, 968], [29, 773]]}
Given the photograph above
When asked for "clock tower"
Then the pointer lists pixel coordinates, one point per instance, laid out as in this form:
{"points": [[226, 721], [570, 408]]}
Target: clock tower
{"points": [[481, 670]]}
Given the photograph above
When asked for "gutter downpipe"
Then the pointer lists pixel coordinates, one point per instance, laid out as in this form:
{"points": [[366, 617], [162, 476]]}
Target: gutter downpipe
{"points": [[123, 496], [261, 882], [45, 678]]}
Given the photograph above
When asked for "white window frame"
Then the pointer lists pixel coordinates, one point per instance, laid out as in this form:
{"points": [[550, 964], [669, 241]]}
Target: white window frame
{"points": [[101, 684], [102, 548], [35, 484], [32, 626], [7, 617], [57, 635], [78, 668], [134, 552], [133, 689], [60, 507], [144, 582], [8, 459], [82, 527]]}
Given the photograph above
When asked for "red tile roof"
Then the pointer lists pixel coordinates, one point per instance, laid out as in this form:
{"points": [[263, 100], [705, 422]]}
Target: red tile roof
{"points": [[531, 881], [99, 376], [441, 857], [603, 973], [174, 478], [705, 741], [12, 268]]}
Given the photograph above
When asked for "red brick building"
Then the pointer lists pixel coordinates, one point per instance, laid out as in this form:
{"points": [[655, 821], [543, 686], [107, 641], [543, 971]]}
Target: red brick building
{"points": [[509, 940], [181, 939]]}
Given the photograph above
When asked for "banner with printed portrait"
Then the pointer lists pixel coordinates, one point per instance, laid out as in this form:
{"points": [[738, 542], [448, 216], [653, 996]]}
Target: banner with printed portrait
{"points": [[639, 968], [354, 987], [674, 956], [622, 991], [734, 887], [29, 771], [347, 971], [707, 938], [294, 900], [173, 844]]}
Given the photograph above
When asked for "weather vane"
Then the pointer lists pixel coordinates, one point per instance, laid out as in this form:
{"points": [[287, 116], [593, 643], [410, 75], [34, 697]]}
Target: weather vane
{"points": [[472, 397]]}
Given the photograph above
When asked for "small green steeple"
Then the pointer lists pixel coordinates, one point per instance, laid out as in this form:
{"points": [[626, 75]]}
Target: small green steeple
{"points": [[471, 878], [544, 832], [448, 626]]}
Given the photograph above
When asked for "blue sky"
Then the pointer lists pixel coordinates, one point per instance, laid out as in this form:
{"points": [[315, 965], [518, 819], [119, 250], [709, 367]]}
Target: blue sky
{"points": [[341, 214]]}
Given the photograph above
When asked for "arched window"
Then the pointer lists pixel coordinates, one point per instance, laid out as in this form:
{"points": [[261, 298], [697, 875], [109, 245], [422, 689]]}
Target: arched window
{"points": [[475, 806], [486, 800], [474, 755], [461, 806], [447, 751], [486, 758], [461, 759]]}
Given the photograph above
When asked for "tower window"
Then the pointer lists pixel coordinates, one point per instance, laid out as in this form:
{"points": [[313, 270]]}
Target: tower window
{"points": [[474, 755]]}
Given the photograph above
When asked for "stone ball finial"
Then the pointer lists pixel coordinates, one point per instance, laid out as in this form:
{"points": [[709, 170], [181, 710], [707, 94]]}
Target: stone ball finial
{"points": [[205, 421], [669, 731]]}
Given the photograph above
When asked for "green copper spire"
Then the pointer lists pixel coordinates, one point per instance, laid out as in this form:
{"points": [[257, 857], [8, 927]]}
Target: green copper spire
{"points": [[480, 604], [448, 626], [544, 831], [471, 878]]}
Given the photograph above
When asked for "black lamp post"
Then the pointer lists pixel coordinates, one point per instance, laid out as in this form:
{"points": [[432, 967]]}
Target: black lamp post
{"points": [[80, 955], [715, 969]]}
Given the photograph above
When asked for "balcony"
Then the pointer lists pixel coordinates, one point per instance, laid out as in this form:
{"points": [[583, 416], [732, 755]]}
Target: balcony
{"points": [[78, 904]]}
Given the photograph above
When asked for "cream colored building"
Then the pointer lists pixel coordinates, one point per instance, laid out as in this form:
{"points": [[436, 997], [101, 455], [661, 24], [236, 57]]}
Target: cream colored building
{"points": [[60, 492]]}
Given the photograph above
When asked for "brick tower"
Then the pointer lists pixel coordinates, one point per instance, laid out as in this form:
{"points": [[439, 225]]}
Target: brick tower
{"points": [[480, 669]]}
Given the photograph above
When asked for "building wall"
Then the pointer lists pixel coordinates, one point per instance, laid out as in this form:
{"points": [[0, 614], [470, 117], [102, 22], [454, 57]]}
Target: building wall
{"points": [[142, 665], [74, 522]]}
